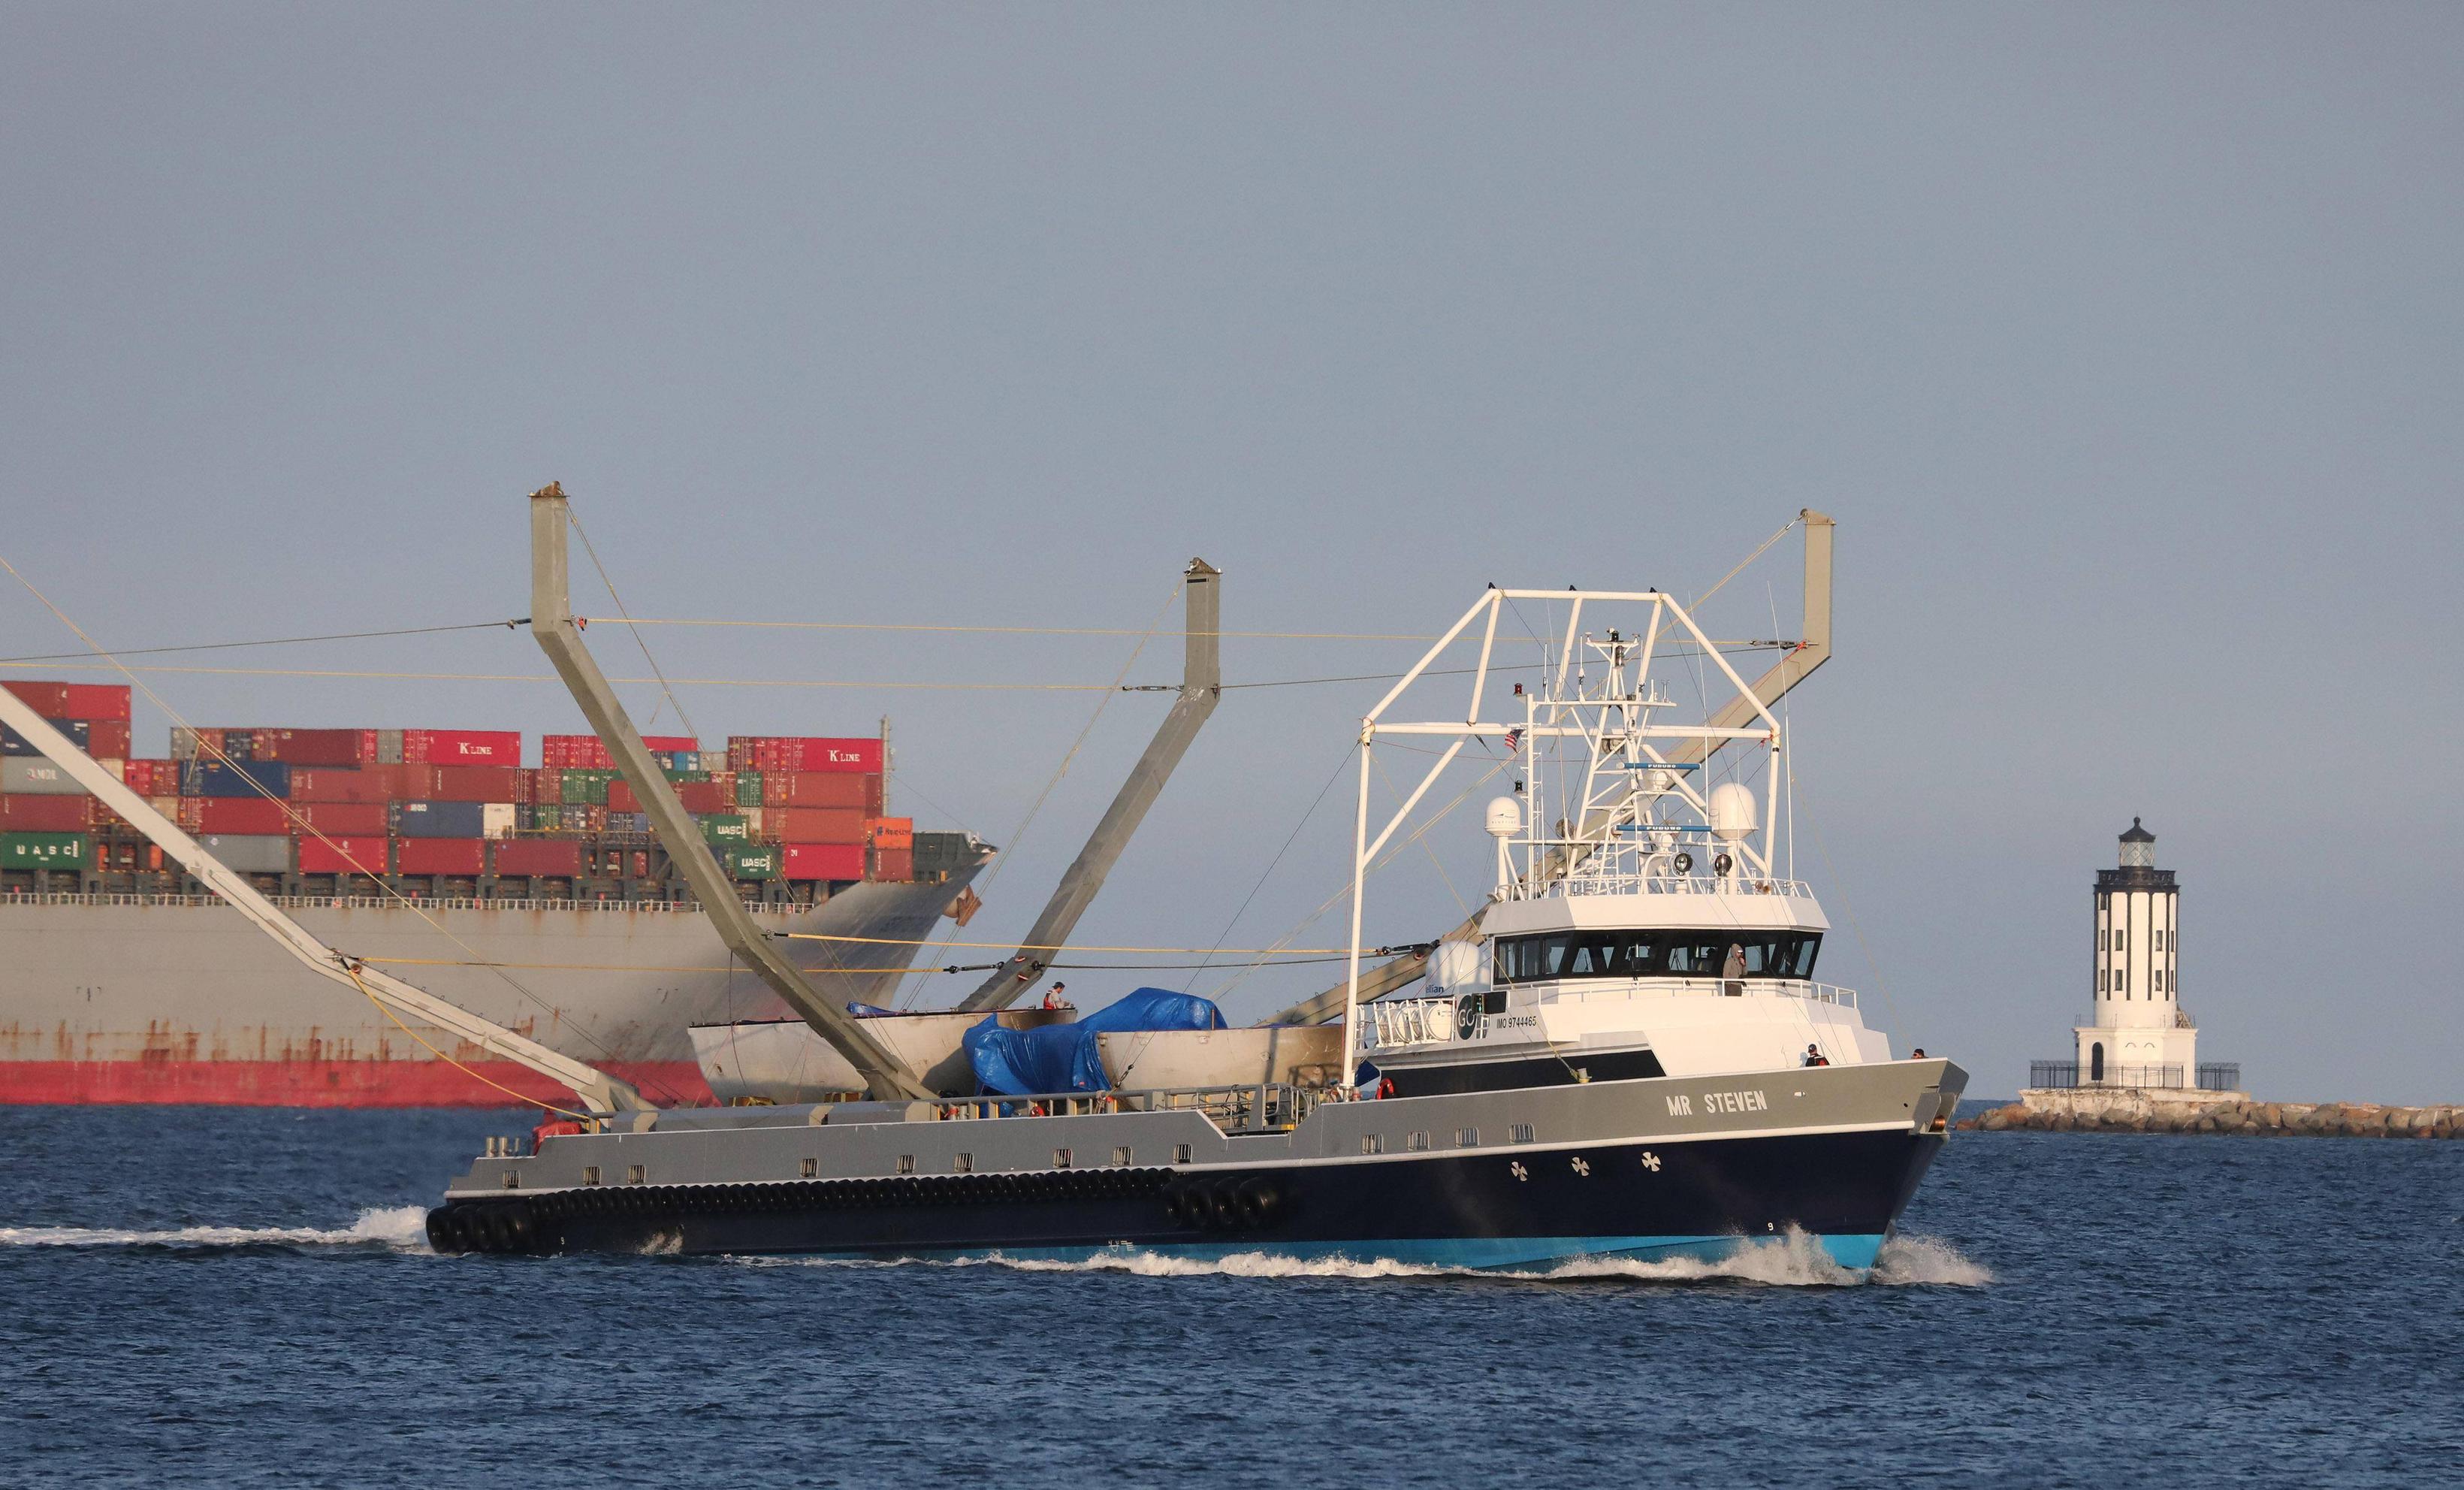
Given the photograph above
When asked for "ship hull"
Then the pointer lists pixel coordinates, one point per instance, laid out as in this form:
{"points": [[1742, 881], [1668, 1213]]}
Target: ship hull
{"points": [[1842, 1191], [1648, 1168], [107, 1000]]}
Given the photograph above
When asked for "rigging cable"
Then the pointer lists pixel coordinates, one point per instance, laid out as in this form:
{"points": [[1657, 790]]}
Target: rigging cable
{"points": [[574, 519]]}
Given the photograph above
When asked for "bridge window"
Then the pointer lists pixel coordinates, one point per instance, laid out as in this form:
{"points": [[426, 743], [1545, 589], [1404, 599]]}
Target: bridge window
{"points": [[1627, 953]]}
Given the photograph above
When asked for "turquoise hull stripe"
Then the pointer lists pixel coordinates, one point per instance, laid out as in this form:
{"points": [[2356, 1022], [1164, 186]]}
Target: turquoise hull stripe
{"points": [[1855, 1252]]}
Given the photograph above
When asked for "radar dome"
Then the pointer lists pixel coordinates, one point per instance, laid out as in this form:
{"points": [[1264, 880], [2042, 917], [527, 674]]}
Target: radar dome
{"points": [[1733, 812], [1505, 818]]}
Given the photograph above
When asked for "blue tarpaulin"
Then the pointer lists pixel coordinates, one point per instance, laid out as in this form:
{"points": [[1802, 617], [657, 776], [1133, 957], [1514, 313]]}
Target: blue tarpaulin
{"points": [[1061, 1057]]}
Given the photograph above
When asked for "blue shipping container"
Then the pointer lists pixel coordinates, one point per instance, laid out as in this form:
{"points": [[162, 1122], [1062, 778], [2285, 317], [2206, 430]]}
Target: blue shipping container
{"points": [[214, 779], [77, 730], [437, 820]]}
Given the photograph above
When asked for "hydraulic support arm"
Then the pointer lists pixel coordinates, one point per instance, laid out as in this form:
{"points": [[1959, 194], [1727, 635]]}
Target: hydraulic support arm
{"points": [[1201, 685], [552, 624]]}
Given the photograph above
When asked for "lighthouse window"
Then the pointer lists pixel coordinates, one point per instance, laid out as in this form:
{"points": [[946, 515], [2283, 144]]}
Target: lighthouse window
{"points": [[1626, 953]]}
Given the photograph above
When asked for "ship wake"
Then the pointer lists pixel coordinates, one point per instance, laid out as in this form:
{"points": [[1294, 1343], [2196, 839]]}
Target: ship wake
{"points": [[1794, 1261], [388, 1228]]}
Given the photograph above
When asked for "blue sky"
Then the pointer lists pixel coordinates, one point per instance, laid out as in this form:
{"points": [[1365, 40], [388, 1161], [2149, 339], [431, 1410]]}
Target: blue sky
{"points": [[2124, 343]]}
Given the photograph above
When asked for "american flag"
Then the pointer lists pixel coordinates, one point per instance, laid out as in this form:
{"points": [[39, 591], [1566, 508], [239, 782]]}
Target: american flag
{"points": [[1513, 741]]}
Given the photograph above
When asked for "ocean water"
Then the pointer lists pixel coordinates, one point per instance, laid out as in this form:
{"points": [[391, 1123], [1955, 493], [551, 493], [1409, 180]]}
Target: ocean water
{"points": [[220, 1296]]}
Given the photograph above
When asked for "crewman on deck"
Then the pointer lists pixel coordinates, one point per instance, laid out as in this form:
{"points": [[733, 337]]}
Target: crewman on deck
{"points": [[1733, 971], [1052, 998], [1814, 1057]]}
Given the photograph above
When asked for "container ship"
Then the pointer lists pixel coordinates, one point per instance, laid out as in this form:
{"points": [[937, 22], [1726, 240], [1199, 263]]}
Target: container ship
{"points": [[533, 894]]}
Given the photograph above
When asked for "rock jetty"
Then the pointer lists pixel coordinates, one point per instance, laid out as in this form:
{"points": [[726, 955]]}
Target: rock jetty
{"points": [[2123, 1112]]}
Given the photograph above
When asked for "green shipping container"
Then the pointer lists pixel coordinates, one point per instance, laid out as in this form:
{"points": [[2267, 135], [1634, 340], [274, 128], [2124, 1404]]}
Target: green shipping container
{"points": [[55, 851], [727, 829], [586, 786], [674, 773], [751, 864], [748, 789], [546, 818]]}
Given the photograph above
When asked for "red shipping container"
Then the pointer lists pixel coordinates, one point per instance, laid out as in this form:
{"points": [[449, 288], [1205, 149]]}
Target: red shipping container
{"points": [[560, 856], [896, 866], [440, 855], [462, 747], [50, 700], [812, 825], [107, 739], [891, 832], [344, 856], [820, 861], [823, 789], [332, 784], [95, 701], [20, 812], [242, 815], [315, 747], [344, 817], [475, 784], [705, 797]]}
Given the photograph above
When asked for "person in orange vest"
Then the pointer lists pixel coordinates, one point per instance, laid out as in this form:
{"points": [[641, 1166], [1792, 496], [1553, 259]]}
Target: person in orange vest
{"points": [[1052, 998]]}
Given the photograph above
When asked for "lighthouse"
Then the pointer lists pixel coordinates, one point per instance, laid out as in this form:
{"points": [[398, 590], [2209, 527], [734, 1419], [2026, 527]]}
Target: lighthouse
{"points": [[2137, 1034]]}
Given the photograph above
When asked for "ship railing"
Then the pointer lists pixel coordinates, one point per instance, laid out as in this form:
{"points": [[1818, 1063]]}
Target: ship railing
{"points": [[1636, 866], [1588, 992], [1434, 1021], [1253, 1108]]}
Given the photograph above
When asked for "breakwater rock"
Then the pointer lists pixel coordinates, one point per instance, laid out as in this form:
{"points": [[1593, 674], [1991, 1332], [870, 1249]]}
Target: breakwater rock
{"points": [[2126, 1111]]}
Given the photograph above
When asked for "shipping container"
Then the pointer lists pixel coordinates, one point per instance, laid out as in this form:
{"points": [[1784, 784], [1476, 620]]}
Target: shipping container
{"points": [[461, 747], [804, 753], [96, 702], [704, 796], [721, 827], [894, 865], [250, 854], [822, 789], [188, 744], [44, 850], [388, 748], [636, 823], [586, 784], [152, 778], [587, 752], [497, 819], [539, 857], [369, 784], [47, 814], [48, 699], [15, 743], [439, 820], [891, 832], [346, 818], [476, 784], [820, 861], [242, 815], [749, 784], [751, 861], [36, 777], [315, 747], [812, 825], [362, 853], [440, 857], [235, 779]]}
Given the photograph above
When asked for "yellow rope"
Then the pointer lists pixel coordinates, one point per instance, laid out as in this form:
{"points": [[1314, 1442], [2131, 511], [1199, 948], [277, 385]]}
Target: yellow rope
{"points": [[1025, 630], [546, 678], [383, 1009], [1069, 946]]}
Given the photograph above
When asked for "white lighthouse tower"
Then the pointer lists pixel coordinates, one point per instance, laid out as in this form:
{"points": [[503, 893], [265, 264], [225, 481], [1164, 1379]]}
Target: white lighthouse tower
{"points": [[2137, 1034]]}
